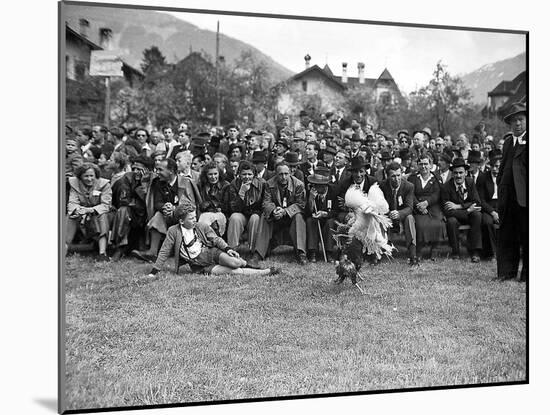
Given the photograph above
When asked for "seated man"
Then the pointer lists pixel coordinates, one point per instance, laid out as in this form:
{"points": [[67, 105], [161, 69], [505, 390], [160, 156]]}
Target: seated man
{"points": [[129, 200], [245, 197], [461, 205], [399, 194], [197, 245], [283, 209], [321, 209], [161, 203]]}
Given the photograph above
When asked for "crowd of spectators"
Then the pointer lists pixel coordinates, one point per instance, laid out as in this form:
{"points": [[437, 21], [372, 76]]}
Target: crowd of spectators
{"points": [[287, 186]]}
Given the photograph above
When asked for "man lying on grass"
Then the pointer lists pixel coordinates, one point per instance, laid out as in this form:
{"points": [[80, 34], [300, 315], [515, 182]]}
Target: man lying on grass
{"points": [[197, 244]]}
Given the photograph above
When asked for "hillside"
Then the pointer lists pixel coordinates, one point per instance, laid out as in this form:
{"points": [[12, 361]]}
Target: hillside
{"points": [[136, 30], [484, 79]]}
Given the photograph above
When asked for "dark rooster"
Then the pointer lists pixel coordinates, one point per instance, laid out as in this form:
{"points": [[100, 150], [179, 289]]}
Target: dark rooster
{"points": [[351, 258]]}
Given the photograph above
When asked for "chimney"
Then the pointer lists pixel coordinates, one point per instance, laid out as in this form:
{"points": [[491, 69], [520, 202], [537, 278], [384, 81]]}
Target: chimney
{"points": [[361, 71], [344, 72], [84, 25], [105, 36], [307, 58]]}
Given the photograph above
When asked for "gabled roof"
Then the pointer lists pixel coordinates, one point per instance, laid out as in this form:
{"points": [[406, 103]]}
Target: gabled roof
{"points": [[324, 74], [385, 75], [508, 88], [327, 70], [519, 93]]}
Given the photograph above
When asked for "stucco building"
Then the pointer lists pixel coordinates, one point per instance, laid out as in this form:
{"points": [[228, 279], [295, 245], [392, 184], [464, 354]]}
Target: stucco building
{"points": [[328, 89]]}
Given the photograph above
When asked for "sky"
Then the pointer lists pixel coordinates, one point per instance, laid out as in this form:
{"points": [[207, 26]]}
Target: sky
{"points": [[410, 54]]}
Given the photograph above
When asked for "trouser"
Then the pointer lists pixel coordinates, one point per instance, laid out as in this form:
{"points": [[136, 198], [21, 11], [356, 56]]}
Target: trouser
{"points": [[489, 234], [513, 241], [409, 229], [313, 239], [235, 228], [462, 217], [295, 226], [126, 221]]}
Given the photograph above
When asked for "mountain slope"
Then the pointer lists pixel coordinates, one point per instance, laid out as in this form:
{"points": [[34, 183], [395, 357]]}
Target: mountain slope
{"points": [[135, 30], [486, 78]]}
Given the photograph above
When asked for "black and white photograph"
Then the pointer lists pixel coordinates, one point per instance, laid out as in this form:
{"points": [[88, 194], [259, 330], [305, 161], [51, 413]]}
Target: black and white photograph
{"points": [[259, 206]]}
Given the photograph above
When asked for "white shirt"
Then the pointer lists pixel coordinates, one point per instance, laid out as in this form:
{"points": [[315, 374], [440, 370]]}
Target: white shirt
{"points": [[520, 139], [495, 194], [358, 185], [463, 185], [424, 182], [444, 176], [192, 251]]}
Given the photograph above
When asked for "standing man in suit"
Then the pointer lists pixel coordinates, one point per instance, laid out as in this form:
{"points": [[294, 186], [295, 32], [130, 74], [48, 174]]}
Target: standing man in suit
{"points": [[512, 197], [462, 206], [399, 194]]}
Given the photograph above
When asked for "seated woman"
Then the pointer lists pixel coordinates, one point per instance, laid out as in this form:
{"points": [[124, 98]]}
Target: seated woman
{"points": [[212, 188], [428, 217], [200, 248], [89, 206]]}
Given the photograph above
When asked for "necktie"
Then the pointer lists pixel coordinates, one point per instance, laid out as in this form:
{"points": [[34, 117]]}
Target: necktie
{"points": [[337, 175], [395, 199], [461, 193]]}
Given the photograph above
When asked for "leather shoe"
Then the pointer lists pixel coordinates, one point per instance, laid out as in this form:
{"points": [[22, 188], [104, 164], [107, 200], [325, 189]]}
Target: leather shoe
{"points": [[313, 257], [475, 258], [302, 259], [143, 256], [254, 261]]}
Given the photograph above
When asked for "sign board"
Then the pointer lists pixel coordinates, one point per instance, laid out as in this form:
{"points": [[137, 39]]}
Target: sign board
{"points": [[105, 63]]}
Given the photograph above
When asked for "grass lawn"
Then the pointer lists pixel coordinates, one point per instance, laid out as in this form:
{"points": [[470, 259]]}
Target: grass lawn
{"points": [[190, 337]]}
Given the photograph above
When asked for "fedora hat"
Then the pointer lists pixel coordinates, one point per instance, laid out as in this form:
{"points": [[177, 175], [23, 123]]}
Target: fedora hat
{"points": [[355, 137], [259, 157], [474, 156], [321, 175], [459, 162], [292, 158], [358, 163], [516, 108]]}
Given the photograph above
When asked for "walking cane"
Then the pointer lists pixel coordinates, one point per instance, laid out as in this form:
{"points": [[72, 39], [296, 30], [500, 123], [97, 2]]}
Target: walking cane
{"points": [[320, 233]]}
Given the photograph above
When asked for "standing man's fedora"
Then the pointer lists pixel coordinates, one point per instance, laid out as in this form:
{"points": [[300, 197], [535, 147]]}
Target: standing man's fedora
{"points": [[516, 108]]}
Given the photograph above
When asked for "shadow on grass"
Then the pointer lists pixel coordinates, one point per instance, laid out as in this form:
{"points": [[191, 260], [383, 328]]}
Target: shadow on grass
{"points": [[48, 403]]}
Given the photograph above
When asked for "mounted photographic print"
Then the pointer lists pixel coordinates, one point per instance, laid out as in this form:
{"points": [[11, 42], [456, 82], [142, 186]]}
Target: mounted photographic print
{"points": [[265, 207]]}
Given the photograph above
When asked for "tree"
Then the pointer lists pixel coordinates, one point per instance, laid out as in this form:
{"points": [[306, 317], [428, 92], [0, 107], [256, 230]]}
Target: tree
{"points": [[249, 84], [153, 61], [447, 96]]}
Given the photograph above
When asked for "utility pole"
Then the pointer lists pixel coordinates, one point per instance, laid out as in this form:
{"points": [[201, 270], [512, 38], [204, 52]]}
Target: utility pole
{"points": [[107, 118], [218, 115]]}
